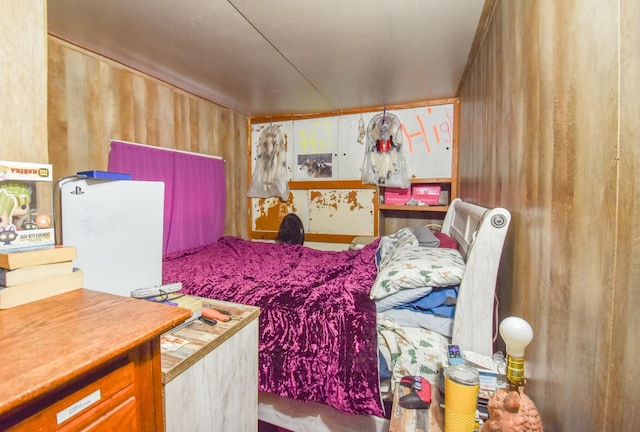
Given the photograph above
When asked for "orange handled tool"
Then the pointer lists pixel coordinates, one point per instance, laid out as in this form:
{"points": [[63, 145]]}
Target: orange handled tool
{"points": [[215, 315]]}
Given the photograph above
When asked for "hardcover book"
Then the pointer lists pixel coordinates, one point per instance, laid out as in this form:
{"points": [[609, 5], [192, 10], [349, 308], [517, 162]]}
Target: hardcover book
{"points": [[34, 273], [11, 260], [29, 292]]}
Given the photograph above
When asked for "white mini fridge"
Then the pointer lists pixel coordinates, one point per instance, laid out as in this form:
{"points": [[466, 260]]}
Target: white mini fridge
{"points": [[117, 229]]}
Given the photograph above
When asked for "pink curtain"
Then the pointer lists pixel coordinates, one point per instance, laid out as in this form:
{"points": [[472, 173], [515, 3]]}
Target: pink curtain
{"points": [[194, 196]]}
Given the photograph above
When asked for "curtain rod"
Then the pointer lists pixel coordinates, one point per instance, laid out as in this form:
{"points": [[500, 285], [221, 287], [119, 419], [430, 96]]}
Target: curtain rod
{"points": [[167, 149]]}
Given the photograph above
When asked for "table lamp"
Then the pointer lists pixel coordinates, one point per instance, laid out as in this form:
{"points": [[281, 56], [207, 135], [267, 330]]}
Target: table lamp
{"points": [[513, 410], [517, 334]]}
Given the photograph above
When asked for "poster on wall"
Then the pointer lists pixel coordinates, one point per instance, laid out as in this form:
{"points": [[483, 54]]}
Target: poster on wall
{"points": [[315, 166]]}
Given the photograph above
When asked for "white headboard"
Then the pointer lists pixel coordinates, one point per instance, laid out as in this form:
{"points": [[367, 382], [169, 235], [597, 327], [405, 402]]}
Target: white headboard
{"points": [[480, 233]]}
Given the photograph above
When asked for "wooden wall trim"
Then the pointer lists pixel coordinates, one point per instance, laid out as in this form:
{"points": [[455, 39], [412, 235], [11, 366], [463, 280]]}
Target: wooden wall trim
{"points": [[286, 117]]}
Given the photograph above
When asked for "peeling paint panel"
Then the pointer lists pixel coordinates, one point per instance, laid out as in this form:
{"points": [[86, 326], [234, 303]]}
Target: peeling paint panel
{"points": [[341, 211], [267, 213]]}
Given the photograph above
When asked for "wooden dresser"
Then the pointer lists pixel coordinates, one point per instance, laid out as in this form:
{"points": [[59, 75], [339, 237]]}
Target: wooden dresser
{"points": [[83, 360]]}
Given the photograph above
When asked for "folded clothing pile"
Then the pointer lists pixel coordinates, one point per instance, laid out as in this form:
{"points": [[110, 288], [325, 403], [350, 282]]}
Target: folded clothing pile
{"points": [[419, 272]]}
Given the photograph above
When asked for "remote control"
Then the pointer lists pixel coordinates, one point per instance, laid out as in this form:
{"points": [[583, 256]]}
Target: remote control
{"points": [[455, 355], [157, 290]]}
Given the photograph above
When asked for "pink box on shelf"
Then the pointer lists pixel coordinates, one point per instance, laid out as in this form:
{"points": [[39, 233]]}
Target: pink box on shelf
{"points": [[396, 196], [426, 194]]}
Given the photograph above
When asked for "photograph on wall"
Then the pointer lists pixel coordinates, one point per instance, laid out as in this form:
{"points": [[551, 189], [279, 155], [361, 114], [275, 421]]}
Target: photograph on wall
{"points": [[314, 166]]}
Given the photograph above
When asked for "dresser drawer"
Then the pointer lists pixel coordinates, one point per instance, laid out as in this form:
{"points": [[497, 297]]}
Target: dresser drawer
{"points": [[110, 399], [122, 418]]}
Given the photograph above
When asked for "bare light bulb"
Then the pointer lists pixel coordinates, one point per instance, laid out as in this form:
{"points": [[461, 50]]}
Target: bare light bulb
{"points": [[517, 334]]}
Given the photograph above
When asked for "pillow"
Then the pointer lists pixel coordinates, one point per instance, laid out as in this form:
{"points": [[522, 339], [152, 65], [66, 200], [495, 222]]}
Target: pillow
{"points": [[398, 240], [402, 297], [414, 267], [426, 238], [446, 241]]}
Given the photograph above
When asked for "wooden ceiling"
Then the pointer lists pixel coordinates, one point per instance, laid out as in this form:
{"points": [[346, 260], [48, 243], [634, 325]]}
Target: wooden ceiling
{"points": [[283, 56]]}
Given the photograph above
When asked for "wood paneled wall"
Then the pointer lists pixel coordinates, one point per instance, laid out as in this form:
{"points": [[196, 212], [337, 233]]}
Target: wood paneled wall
{"points": [[23, 81], [623, 394], [93, 100], [549, 130]]}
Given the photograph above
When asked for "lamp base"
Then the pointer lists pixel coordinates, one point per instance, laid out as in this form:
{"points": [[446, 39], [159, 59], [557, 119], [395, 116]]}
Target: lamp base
{"points": [[512, 411]]}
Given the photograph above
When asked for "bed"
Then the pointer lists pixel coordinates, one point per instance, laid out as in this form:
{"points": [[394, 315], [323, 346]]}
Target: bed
{"points": [[321, 350]]}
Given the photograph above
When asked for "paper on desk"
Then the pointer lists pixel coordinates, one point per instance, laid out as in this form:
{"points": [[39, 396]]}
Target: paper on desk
{"points": [[480, 361], [171, 343]]}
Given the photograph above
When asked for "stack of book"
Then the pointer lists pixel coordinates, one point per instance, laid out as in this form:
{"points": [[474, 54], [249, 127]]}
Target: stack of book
{"points": [[31, 275]]}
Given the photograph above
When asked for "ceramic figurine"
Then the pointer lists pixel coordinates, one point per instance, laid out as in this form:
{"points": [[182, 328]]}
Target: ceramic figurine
{"points": [[512, 412]]}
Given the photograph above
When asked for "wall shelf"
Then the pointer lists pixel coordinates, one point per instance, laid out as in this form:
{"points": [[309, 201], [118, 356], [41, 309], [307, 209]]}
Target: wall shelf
{"points": [[415, 208]]}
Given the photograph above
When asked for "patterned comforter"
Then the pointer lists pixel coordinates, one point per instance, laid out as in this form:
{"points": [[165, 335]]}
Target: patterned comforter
{"points": [[317, 323]]}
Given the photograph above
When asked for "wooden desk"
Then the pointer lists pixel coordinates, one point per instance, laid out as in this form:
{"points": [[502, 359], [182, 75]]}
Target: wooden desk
{"points": [[83, 360], [211, 383]]}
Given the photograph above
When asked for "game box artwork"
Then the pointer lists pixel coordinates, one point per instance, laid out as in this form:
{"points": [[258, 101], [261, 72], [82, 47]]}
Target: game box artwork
{"points": [[26, 206]]}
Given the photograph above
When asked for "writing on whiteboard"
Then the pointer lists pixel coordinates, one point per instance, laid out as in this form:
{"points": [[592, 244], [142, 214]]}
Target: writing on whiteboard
{"points": [[315, 136], [431, 125]]}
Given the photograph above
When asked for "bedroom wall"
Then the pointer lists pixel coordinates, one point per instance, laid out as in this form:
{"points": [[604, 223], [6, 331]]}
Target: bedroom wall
{"points": [[549, 130], [92, 100], [23, 81]]}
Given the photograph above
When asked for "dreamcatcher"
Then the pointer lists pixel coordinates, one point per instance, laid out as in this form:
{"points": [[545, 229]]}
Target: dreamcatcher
{"points": [[385, 160], [269, 177]]}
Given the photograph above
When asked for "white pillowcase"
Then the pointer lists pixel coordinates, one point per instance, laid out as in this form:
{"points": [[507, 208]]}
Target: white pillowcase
{"points": [[388, 244], [414, 267]]}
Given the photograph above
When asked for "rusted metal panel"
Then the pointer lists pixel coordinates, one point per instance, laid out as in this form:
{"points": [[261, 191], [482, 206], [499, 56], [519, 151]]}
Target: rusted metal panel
{"points": [[341, 211], [268, 212], [322, 211]]}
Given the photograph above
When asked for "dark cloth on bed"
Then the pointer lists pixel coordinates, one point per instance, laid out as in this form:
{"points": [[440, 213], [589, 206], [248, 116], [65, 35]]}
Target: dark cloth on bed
{"points": [[318, 339]]}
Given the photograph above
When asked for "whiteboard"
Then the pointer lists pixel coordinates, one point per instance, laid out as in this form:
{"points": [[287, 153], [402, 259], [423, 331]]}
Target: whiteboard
{"points": [[330, 146], [351, 151], [315, 142], [427, 134], [116, 228]]}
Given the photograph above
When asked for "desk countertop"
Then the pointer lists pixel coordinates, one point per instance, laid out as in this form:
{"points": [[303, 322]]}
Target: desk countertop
{"points": [[203, 338], [48, 343]]}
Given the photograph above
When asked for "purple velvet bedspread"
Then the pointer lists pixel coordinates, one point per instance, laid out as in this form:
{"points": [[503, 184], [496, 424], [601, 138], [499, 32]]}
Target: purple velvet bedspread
{"points": [[318, 338]]}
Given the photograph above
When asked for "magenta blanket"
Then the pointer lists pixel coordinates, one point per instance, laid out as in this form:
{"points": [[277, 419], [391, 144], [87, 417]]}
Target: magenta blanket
{"points": [[318, 339]]}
